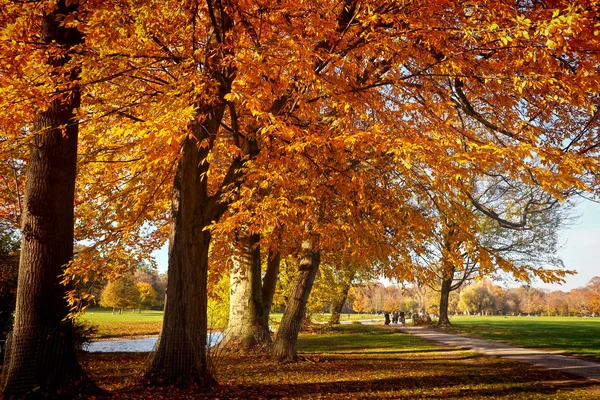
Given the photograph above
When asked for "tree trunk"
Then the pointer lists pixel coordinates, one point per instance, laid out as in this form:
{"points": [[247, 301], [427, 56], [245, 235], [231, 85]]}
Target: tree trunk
{"points": [[248, 321], [287, 336], [338, 303], [181, 349], [269, 283], [444, 300], [40, 357]]}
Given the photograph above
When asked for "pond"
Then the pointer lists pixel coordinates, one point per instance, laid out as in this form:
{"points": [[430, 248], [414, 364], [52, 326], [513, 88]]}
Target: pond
{"points": [[363, 322], [143, 345]]}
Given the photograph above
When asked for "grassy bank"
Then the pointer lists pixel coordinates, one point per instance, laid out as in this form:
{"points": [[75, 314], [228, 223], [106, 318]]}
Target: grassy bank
{"points": [[354, 362], [580, 336]]}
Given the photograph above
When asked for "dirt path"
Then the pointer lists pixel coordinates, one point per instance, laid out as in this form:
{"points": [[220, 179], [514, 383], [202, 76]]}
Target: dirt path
{"points": [[539, 358]]}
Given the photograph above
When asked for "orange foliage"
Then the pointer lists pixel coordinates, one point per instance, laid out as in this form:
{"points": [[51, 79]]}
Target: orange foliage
{"points": [[365, 115]]}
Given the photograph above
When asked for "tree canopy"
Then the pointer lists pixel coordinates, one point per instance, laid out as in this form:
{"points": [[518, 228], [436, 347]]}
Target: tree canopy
{"points": [[369, 105]]}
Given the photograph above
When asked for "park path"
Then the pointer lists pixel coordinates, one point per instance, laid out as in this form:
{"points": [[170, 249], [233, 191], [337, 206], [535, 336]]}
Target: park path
{"points": [[539, 358]]}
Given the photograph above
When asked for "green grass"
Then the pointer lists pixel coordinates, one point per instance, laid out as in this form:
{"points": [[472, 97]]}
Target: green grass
{"points": [[324, 317], [126, 324], [319, 317], [579, 336], [150, 322], [363, 338]]}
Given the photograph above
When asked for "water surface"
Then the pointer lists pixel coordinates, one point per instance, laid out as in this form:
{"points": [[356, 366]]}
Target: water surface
{"points": [[143, 345]]}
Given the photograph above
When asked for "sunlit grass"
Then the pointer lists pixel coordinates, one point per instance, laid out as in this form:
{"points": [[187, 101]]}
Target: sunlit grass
{"points": [[572, 335], [348, 338], [324, 317], [148, 322]]}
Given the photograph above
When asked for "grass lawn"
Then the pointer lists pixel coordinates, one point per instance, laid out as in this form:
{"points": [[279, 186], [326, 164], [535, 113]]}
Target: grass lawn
{"points": [[126, 324], [352, 361], [324, 317], [319, 317], [150, 322], [579, 336]]}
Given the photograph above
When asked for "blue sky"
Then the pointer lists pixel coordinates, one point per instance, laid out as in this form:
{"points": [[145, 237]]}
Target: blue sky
{"points": [[581, 246]]}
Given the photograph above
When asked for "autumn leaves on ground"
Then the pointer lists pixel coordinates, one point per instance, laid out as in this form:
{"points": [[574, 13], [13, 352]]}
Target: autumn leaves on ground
{"points": [[350, 362]]}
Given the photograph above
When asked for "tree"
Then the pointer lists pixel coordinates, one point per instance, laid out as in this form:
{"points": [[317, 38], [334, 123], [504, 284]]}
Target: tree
{"points": [[284, 347], [269, 283], [578, 301], [218, 302], [121, 293], [594, 294], [248, 318], [161, 288], [366, 106], [524, 251], [340, 294], [331, 288], [360, 302], [557, 303], [147, 295], [42, 336], [9, 265], [478, 299], [531, 300]]}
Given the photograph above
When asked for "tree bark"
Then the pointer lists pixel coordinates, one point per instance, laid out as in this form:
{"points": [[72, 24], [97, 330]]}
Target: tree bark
{"points": [[444, 300], [269, 283], [40, 358], [181, 349], [287, 337], [338, 303], [447, 279], [248, 319]]}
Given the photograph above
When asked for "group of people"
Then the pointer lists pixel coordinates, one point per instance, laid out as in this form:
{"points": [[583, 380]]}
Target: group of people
{"points": [[398, 317]]}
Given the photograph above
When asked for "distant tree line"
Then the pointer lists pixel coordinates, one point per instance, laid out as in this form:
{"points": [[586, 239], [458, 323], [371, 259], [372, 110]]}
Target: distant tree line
{"points": [[483, 298]]}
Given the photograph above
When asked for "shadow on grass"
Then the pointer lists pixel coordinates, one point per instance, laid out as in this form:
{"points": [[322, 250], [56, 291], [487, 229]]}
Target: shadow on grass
{"points": [[352, 376], [363, 341], [408, 351], [403, 387], [357, 363]]}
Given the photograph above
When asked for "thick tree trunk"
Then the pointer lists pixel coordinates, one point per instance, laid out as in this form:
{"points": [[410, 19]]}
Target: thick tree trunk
{"points": [[444, 299], [40, 358], [248, 321], [269, 283], [181, 349], [287, 336]]}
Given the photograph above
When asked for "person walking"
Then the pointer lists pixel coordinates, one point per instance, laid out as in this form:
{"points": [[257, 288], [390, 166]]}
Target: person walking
{"points": [[386, 314]]}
